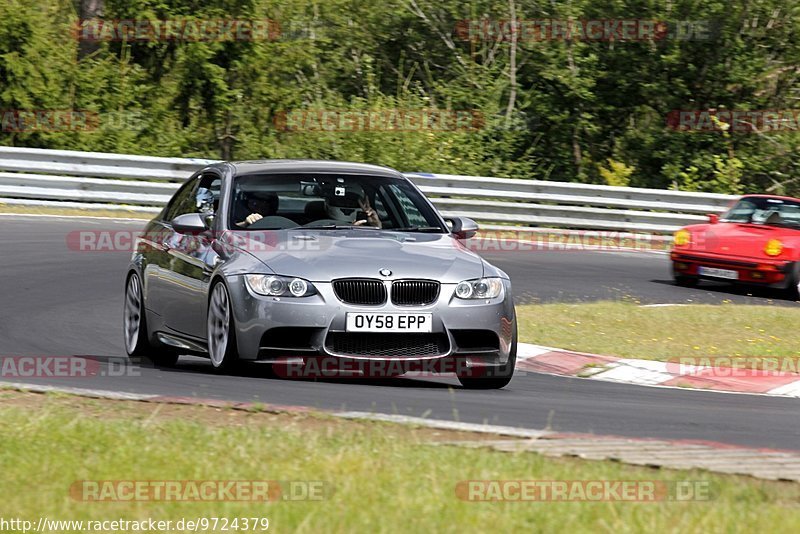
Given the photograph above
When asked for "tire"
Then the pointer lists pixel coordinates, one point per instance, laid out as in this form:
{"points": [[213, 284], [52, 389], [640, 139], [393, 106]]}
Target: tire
{"points": [[685, 281], [499, 377], [221, 336], [792, 290], [134, 324]]}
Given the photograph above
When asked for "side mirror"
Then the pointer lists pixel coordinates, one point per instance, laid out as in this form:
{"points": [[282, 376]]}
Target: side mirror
{"points": [[713, 218], [189, 223], [462, 227]]}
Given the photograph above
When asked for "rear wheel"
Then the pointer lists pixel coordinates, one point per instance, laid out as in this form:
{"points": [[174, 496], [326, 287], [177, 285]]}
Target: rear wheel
{"points": [[137, 344], [793, 288], [496, 377], [221, 335]]}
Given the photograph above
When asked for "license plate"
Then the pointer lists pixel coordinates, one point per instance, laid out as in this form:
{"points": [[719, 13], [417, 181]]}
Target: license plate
{"points": [[713, 272], [389, 322]]}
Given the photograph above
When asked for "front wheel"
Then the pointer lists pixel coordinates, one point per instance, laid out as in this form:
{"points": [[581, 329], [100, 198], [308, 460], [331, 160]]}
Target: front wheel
{"points": [[221, 335], [134, 322], [497, 377]]}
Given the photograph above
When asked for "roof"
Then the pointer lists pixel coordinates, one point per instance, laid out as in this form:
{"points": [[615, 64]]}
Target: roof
{"points": [[311, 166]]}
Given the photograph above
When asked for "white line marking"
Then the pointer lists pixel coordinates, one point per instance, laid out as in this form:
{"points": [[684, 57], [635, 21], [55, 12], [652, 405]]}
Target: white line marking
{"points": [[526, 351], [408, 420], [98, 393], [792, 389], [630, 374], [648, 365], [446, 425]]}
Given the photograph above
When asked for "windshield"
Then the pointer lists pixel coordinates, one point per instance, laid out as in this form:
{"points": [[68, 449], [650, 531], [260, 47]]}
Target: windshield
{"points": [[766, 211], [329, 201]]}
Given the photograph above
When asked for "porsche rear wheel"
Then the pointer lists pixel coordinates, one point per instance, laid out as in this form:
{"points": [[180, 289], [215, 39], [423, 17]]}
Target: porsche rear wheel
{"points": [[134, 322], [793, 288]]}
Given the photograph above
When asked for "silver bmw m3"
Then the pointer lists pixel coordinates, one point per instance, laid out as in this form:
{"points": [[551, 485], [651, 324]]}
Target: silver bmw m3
{"points": [[289, 262]]}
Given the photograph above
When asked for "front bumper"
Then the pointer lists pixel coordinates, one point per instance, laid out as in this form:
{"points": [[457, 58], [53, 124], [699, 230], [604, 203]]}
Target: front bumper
{"points": [[765, 272], [274, 329]]}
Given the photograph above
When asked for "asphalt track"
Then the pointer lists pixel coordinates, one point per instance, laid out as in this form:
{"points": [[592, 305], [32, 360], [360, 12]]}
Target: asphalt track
{"points": [[60, 302]]}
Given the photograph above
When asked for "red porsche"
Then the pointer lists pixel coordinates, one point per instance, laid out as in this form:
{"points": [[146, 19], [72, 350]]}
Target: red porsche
{"points": [[756, 242]]}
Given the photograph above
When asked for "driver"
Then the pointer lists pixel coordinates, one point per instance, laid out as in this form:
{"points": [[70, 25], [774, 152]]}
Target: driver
{"points": [[259, 205], [342, 204]]}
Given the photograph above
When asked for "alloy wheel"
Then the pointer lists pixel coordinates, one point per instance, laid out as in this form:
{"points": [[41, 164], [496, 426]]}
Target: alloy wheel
{"points": [[218, 325], [133, 313]]}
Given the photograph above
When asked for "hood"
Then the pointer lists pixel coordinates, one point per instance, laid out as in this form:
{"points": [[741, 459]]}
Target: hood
{"points": [[325, 255], [736, 239]]}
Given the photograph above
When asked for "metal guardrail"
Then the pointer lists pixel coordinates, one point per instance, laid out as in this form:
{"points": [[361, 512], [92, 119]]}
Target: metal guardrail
{"points": [[143, 183]]}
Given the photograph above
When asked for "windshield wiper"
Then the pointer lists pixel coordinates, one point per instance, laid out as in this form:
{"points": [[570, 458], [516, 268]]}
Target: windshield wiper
{"points": [[368, 227], [332, 227]]}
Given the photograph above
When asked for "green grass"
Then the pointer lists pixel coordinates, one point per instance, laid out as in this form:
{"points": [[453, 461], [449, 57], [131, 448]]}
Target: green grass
{"points": [[384, 478], [627, 330]]}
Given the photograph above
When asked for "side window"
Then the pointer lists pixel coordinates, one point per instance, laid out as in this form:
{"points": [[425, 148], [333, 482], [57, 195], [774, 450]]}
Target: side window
{"points": [[207, 195], [791, 213], [184, 201]]}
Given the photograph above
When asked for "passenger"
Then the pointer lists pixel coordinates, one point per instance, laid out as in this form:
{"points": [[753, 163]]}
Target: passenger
{"points": [[342, 205]]}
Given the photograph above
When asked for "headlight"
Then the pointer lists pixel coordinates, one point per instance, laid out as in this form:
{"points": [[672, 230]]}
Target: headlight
{"points": [[773, 247], [483, 288], [279, 286], [682, 238]]}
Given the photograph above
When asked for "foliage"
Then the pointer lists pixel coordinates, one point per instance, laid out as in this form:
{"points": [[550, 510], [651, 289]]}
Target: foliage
{"points": [[569, 110], [617, 173]]}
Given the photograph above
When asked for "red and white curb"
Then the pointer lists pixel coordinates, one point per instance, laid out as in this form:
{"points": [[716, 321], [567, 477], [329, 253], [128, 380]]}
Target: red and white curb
{"points": [[654, 373], [769, 464]]}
